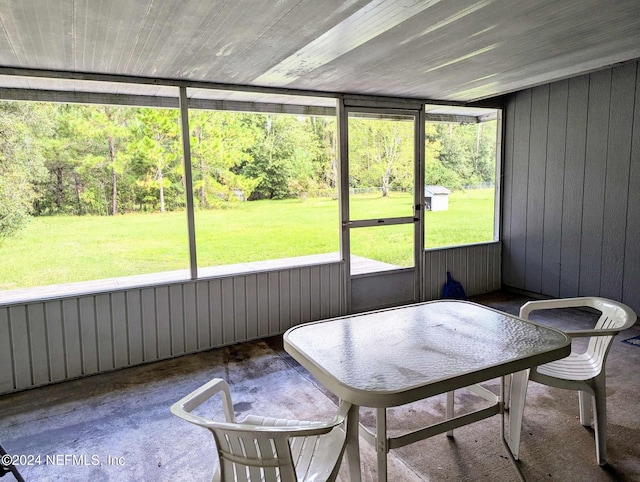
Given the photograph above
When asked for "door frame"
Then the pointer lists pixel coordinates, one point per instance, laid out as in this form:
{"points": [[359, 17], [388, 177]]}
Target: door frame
{"points": [[345, 105]]}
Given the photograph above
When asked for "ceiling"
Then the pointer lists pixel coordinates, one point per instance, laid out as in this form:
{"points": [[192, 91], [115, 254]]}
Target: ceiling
{"points": [[446, 50]]}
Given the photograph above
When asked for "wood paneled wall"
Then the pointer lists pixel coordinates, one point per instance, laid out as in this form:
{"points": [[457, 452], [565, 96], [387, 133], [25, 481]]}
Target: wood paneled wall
{"points": [[55, 340], [476, 266], [571, 199], [52, 340]]}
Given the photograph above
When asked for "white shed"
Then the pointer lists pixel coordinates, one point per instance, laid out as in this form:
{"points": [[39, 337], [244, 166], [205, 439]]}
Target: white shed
{"points": [[436, 198]]}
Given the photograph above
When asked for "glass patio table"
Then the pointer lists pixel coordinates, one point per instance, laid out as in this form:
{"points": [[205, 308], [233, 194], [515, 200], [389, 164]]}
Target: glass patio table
{"points": [[400, 355]]}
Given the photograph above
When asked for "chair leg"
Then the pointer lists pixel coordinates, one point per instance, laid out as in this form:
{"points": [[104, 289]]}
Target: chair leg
{"points": [[450, 409], [518, 394], [584, 400], [600, 419]]}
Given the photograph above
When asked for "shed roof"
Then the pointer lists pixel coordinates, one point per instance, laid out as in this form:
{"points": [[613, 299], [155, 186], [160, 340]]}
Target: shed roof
{"points": [[434, 190]]}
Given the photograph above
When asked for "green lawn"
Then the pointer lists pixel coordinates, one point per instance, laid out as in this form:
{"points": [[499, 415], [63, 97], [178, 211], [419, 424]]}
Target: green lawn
{"points": [[63, 249]]}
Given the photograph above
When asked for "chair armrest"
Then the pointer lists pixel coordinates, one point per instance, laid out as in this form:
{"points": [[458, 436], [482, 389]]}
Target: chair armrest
{"points": [[294, 428], [183, 407], [553, 304], [589, 333]]}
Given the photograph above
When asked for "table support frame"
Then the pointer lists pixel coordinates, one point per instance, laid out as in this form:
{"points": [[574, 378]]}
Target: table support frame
{"points": [[383, 444]]}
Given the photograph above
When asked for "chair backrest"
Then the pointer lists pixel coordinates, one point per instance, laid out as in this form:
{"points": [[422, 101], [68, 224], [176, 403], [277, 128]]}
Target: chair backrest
{"points": [[614, 316], [246, 455]]}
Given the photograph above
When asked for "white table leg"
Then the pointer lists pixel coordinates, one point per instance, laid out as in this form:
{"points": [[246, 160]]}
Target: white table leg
{"points": [[514, 423], [352, 446], [518, 396], [450, 409], [381, 443]]}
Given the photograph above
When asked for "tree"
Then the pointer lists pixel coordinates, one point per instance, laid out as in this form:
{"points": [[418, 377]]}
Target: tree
{"points": [[283, 157], [22, 126], [156, 155], [104, 130], [220, 143], [381, 152], [468, 152], [325, 165]]}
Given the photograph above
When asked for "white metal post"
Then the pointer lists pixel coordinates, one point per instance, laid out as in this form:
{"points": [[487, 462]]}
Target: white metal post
{"points": [[188, 182], [343, 163]]}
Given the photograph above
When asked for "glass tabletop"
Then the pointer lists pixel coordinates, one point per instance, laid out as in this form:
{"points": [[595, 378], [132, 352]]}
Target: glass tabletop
{"points": [[388, 357]]}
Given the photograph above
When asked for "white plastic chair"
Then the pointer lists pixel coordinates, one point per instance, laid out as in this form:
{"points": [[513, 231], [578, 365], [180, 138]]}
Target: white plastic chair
{"points": [[267, 449], [581, 370]]}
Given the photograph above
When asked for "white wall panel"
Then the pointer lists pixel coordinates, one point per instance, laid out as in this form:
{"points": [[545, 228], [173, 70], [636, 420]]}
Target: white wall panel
{"points": [[58, 339], [476, 266], [72, 341], [572, 214], [55, 341], [7, 382], [120, 340]]}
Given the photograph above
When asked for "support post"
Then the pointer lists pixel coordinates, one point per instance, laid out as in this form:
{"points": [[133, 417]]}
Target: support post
{"points": [[188, 182]]}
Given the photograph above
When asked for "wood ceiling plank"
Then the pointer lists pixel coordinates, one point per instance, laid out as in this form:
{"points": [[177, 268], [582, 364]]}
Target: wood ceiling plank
{"points": [[455, 49]]}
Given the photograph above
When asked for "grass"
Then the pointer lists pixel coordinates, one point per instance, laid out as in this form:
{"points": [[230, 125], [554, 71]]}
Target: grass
{"points": [[64, 249]]}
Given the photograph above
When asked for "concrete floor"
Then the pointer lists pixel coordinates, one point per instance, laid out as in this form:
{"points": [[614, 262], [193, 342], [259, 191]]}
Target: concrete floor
{"points": [[117, 426]]}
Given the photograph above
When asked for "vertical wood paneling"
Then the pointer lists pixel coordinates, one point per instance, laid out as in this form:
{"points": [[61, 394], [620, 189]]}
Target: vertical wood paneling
{"points": [[495, 267], [591, 196], [20, 346], [215, 310], [295, 296], [38, 344], [227, 301], [88, 336], [55, 340], [477, 267], [285, 300], [439, 277], [7, 383], [573, 192], [594, 182], [536, 187], [631, 278], [163, 323], [305, 295], [61, 339], [103, 332], [325, 291], [616, 197], [71, 329], [190, 319], [176, 314], [554, 179], [251, 307], [263, 303], [336, 290], [239, 308], [274, 302], [202, 315], [120, 329], [316, 313], [471, 273], [134, 322], [507, 183], [518, 228], [149, 328], [429, 272]]}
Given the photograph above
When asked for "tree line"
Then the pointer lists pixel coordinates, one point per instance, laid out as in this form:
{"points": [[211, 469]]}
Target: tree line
{"points": [[104, 160]]}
